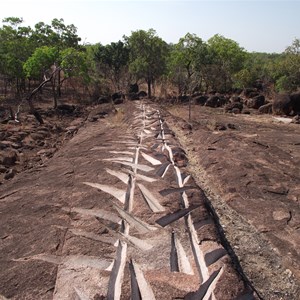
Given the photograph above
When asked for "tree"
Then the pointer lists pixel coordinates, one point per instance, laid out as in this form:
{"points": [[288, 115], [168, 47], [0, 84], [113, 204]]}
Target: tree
{"points": [[289, 68], [113, 61], [14, 51], [185, 63], [148, 56], [227, 59]]}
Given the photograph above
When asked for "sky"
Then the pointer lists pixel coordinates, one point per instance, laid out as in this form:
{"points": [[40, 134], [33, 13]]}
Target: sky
{"points": [[261, 26]]}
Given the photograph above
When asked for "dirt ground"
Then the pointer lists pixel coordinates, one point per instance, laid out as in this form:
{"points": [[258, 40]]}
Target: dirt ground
{"points": [[249, 165], [58, 235]]}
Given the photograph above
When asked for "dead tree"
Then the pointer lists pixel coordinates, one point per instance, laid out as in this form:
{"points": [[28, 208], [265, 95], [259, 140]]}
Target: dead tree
{"points": [[35, 91]]}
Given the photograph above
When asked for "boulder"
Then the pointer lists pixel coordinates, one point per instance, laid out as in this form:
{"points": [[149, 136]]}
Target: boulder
{"points": [[133, 88], [250, 92], [117, 95], [234, 99], [213, 101], [183, 99], [235, 107], [295, 99], [142, 94], [200, 100], [8, 158], [296, 119], [66, 109], [256, 102], [133, 96], [103, 99], [282, 104], [118, 101], [266, 109], [101, 111]]}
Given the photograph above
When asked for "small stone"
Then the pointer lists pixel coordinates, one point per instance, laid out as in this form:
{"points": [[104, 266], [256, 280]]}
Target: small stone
{"points": [[10, 174], [8, 158], [279, 215]]}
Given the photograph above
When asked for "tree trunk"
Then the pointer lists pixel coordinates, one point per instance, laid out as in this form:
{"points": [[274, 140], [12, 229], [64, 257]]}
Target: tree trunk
{"points": [[58, 86], [36, 90], [149, 88], [54, 95]]}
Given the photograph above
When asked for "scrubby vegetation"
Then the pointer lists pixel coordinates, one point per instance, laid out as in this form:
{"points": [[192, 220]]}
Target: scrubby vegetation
{"points": [[52, 53]]}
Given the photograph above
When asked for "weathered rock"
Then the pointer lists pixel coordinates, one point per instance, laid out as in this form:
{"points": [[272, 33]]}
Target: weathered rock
{"points": [[142, 94], [71, 129], [133, 88], [266, 109], [183, 99], [133, 96], [3, 169], [282, 104], [8, 158], [117, 95], [103, 99], [213, 101], [200, 100], [66, 109], [234, 99], [295, 99], [296, 119], [279, 215], [101, 111], [118, 101], [46, 152], [250, 92], [10, 174], [235, 107], [256, 102]]}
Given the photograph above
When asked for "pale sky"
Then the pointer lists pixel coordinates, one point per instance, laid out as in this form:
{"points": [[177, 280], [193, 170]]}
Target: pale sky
{"points": [[263, 26]]}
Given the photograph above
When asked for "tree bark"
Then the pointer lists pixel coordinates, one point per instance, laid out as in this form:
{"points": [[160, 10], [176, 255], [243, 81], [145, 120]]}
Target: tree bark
{"points": [[149, 88], [36, 90]]}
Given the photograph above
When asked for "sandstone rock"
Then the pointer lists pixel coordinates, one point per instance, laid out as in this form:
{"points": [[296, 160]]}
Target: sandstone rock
{"points": [[282, 104], [266, 109], [236, 106], [142, 94], [3, 169], [118, 101], [295, 99], [10, 174], [279, 215], [103, 99], [234, 99], [101, 111], [133, 96], [46, 152], [296, 120], [256, 102], [200, 100], [213, 101], [71, 129], [37, 136], [8, 158]]}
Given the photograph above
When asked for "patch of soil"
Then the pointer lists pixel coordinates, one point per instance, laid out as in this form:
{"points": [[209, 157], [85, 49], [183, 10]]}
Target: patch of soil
{"points": [[249, 166]]}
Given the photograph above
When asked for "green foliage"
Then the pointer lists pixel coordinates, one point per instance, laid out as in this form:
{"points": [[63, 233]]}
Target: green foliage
{"points": [[148, 56], [191, 64], [40, 61], [74, 64], [113, 61], [227, 58], [186, 62]]}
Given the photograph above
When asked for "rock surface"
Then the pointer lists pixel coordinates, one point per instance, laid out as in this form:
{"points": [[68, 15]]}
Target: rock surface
{"points": [[61, 229], [252, 177], [114, 213]]}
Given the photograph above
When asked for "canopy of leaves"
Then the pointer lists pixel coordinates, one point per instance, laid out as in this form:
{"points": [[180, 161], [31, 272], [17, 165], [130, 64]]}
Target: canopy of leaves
{"points": [[148, 55]]}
